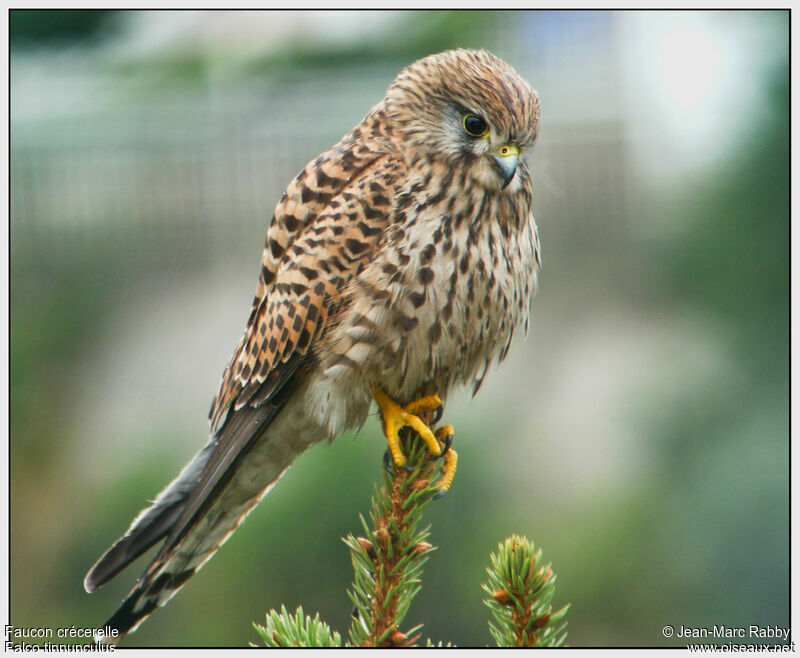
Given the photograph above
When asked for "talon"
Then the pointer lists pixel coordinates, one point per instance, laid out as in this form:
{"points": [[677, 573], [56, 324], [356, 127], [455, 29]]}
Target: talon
{"points": [[446, 434], [448, 441], [396, 417], [387, 464]]}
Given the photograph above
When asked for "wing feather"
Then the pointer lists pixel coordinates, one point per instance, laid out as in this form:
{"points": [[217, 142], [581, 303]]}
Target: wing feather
{"points": [[320, 220], [296, 298], [308, 259]]}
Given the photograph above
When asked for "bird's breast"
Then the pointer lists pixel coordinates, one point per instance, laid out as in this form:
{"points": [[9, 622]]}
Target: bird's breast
{"points": [[441, 300]]}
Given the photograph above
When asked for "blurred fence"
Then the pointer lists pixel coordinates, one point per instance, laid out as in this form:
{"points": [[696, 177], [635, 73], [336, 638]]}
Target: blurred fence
{"points": [[147, 159]]}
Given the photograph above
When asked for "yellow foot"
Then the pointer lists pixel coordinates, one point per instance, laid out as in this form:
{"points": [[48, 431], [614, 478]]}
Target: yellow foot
{"points": [[396, 417], [446, 434]]}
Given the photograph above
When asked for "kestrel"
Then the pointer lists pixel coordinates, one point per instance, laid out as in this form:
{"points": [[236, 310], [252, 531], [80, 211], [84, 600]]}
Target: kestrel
{"points": [[398, 264]]}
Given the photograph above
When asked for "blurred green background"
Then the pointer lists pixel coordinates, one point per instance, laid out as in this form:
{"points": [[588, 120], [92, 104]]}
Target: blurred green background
{"points": [[639, 434]]}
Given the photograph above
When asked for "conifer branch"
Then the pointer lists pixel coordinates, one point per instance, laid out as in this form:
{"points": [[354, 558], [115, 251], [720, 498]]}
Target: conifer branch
{"points": [[521, 590], [388, 559], [285, 630]]}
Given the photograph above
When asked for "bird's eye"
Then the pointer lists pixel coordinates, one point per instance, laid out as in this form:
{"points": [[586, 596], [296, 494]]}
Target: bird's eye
{"points": [[475, 126]]}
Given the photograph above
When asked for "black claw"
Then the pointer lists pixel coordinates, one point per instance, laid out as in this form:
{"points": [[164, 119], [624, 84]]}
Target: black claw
{"points": [[437, 414], [448, 441], [439, 494], [389, 463]]}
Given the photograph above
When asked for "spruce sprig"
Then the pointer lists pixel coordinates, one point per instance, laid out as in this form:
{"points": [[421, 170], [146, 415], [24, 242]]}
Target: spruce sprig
{"points": [[520, 592], [298, 630], [388, 559]]}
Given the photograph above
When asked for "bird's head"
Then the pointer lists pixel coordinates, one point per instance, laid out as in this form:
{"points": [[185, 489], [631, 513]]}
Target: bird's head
{"points": [[469, 109]]}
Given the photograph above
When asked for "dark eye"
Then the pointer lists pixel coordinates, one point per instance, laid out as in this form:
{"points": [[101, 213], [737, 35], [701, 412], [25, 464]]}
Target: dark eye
{"points": [[475, 126]]}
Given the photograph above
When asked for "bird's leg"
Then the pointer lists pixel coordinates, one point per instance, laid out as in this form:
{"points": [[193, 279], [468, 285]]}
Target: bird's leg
{"points": [[396, 417]]}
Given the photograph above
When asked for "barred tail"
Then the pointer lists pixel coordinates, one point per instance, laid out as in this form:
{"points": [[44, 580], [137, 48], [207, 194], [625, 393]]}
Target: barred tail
{"points": [[169, 572], [200, 509]]}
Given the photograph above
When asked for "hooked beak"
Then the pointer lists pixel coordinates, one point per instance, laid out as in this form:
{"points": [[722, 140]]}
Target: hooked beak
{"points": [[506, 158]]}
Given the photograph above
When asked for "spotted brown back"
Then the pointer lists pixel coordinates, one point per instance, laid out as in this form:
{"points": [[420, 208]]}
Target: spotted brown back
{"points": [[325, 229]]}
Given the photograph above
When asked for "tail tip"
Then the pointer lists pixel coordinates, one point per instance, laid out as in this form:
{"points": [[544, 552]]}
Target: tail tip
{"points": [[89, 583], [107, 635]]}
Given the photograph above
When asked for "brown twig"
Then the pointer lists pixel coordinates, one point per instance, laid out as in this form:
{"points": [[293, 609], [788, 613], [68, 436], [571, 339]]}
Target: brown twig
{"points": [[393, 547]]}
